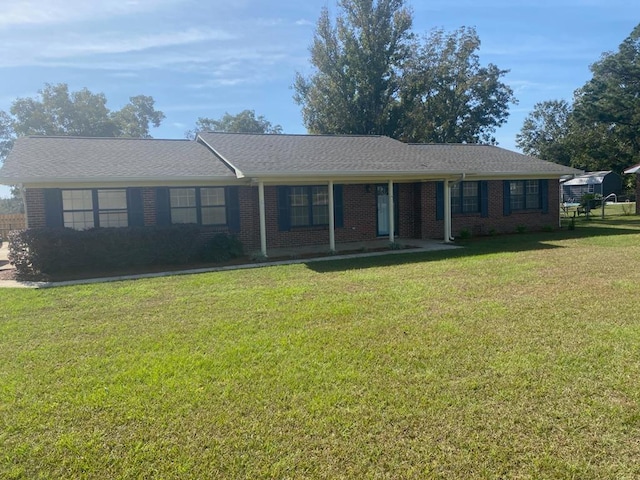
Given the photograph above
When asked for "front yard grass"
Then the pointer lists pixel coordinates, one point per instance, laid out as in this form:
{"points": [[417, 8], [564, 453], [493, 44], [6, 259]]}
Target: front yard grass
{"points": [[515, 357]]}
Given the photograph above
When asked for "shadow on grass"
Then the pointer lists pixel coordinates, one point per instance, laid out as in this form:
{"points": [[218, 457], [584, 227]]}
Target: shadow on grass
{"points": [[487, 246]]}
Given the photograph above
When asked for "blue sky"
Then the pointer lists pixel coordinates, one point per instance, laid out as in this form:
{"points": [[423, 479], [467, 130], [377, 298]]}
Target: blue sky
{"points": [[204, 58]]}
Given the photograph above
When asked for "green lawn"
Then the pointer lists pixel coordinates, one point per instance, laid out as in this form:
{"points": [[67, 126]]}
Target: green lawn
{"points": [[515, 357]]}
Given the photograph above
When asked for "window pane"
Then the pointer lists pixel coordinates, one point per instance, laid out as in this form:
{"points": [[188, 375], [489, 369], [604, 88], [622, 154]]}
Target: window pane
{"points": [[517, 188], [321, 215], [214, 216], [78, 220], [182, 197], [211, 197], [113, 219], [77, 200], [299, 216], [112, 200], [184, 215], [298, 197], [470, 189], [320, 195]]}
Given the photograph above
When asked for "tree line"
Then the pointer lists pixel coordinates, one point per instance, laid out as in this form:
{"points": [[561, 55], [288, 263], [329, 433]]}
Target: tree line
{"points": [[599, 129], [372, 74]]}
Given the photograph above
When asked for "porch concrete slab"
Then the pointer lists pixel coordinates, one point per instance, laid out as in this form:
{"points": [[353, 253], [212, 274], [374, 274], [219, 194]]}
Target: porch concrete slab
{"points": [[289, 256]]}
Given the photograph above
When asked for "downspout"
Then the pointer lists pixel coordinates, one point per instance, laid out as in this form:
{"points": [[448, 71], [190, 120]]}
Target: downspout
{"points": [[447, 207]]}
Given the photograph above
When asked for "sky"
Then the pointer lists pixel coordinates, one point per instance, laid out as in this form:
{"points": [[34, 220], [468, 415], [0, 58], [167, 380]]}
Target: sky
{"points": [[203, 58]]}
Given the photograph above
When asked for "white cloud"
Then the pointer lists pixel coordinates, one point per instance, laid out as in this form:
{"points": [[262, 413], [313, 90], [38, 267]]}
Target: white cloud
{"points": [[304, 23], [114, 43], [47, 12]]}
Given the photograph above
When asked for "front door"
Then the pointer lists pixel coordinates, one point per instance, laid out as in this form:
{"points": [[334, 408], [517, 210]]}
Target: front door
{"points": [[382, 203]]}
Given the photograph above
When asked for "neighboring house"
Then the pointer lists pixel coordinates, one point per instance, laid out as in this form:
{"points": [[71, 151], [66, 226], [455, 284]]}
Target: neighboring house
{"points": [[635, 170], [602, 183], [285, 190]]}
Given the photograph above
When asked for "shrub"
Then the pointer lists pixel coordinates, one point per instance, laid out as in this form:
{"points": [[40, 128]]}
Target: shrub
{"points": [[521, 228], [465, 234], [45, 251]]}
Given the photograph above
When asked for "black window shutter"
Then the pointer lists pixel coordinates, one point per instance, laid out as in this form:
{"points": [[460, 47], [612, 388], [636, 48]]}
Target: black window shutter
{"points": [[440, 201], [284, 212], [506, 198], [338, 206], [484, 198], [544, 195], [135, 207], [53, 207], [233, 209], [163, 207]]}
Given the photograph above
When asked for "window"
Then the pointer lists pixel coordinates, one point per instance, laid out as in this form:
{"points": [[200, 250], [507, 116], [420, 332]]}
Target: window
{"points": [[309, 206], [205, 206], [525, 195], [83, 209], [112, 208], [77, 209], [465, 197]]}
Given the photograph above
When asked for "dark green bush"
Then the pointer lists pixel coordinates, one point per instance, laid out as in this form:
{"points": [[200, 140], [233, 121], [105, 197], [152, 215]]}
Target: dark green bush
{"points": [[45, 251]]}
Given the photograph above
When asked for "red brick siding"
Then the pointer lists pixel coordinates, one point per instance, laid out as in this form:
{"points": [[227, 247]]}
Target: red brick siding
{"points": [[417, 215], [496, 222]]}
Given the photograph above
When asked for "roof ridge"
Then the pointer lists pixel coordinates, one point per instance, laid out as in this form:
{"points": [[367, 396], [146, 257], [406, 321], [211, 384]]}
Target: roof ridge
{"points": [[83, 137], [337, 135]]}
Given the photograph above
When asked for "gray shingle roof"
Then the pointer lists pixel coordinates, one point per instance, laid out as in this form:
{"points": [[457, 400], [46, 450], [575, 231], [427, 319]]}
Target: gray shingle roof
{"points": [[273, 155], [47, 159], [79, 159], [255, 154], [487, 160]]}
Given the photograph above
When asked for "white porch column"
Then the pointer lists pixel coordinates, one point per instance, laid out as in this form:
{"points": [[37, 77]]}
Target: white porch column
{"points": [[447, 212], [392, 218], [263, 219], [332, 222]]}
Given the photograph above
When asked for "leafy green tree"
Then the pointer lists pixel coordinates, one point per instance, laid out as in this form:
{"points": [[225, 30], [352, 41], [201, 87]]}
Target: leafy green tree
{"points": [[607, 108], [244, 122], [545, 132], [11, 205], [600, 130], [6, 135], [358, 63], [56, 111], [133, 119], [447, 96]]}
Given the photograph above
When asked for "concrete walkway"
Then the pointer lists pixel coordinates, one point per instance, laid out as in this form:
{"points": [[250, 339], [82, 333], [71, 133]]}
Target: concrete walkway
{"points": [[410, 246]]}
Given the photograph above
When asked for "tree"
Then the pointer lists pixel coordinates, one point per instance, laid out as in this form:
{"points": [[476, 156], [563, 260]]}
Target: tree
{"points": [[608, 107], [447, 96], [244, 122], [133, 119], [358, 65], [600, 129], [56, 111], [545, 132]]}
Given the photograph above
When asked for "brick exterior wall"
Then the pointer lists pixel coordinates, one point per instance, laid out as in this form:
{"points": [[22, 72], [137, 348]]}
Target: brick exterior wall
{"points": [[416, 216], [496, 222]]}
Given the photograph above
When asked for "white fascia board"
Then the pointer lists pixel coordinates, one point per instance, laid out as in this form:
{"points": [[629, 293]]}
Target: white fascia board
{"points": [[119, 182], [365, 177], [634, 169]]}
